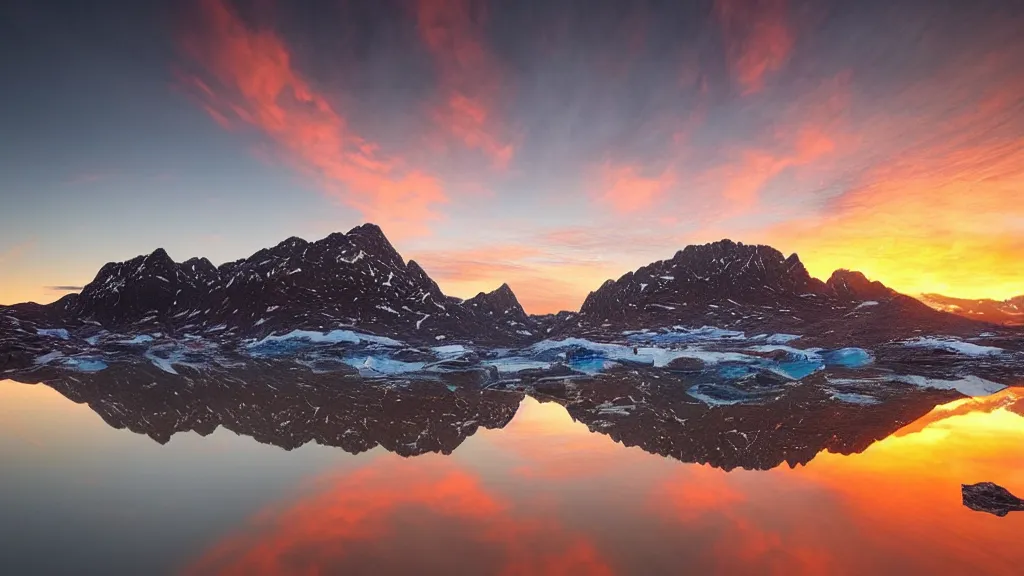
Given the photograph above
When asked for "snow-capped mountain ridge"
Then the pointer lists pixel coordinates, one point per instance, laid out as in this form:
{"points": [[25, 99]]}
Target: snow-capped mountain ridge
{"points": [[757, 289], [1008, 312], [358, 279], [352, 279]]}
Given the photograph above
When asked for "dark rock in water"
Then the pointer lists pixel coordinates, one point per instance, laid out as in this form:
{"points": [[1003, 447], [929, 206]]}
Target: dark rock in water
{"points": [[685, 364], [991, 498]]}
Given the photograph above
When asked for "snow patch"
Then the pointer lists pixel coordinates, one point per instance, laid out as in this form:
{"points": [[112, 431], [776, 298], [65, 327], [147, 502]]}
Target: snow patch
{"points": [[968, 385], [140, 339], [332, 337], [376, 366], [953, 345], [851, 398]]}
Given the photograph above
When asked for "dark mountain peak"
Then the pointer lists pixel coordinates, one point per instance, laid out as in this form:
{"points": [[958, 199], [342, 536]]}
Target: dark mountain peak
{"points": [[159, 255], [371, 239], [143, 288], [853, 285], [368, 229], [285, 249], [701, 275], [199, 264], [499, 302]]}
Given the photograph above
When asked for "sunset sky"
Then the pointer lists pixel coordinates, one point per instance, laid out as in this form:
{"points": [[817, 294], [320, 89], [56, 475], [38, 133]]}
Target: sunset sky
{"points": [[548, 144]]}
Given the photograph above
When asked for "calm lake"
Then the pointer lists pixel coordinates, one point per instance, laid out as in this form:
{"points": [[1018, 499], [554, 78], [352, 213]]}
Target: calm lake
{"points": [[541, 495]]}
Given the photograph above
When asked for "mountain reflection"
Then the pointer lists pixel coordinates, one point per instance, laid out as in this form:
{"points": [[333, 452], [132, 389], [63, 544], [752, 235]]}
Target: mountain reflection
{"points": [[279, 405], [531, 492], [628, 513]]}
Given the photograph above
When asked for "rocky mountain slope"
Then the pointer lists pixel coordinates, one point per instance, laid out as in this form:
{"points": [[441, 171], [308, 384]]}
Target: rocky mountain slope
{"points": [[353, 279], [359, 281], [1006, 312], [757, 289], [277, 405]]}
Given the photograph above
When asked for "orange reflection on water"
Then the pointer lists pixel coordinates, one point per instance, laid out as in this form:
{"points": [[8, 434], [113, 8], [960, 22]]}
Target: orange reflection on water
{"points": [[397, 518], [546, 496]]}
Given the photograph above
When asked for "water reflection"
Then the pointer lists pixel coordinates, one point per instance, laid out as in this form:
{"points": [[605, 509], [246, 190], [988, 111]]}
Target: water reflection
{"points": [[498, 482]]}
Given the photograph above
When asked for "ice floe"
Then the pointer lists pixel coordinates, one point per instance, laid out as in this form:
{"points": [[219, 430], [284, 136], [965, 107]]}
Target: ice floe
{"points": [[301, 337], [967, 385], [953, 345], [848, 357], [851, 398], [140, 339], [377, 366]]}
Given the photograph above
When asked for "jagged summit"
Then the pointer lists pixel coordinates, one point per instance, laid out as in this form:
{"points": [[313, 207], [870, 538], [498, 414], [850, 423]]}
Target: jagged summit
{"points": [[753, 288], [358, 280], [704, 274], [502, 306], [854, 285], [343, 280]]}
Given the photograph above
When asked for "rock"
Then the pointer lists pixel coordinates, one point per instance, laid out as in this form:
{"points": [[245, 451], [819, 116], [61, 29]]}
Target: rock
{"points": [[686, 365], [991, 498]]}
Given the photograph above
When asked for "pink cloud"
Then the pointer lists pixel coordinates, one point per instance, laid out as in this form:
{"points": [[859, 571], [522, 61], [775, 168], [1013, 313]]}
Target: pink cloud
{"points": [[248, 74], [758, 39], [626, 190], [471, 82]]}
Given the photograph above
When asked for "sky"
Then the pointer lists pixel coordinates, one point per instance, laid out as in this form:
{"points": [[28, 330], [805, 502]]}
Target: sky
{"points": [[550, 145]]}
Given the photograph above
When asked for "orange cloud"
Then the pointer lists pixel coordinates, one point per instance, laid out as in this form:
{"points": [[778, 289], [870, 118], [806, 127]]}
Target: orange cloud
{"points": [[627, 191], [943, 219], [932, 203], [912, 480], [257, 84], [470, 81], [353, 519], [708, 500], [543, 280], [742, 180], [758, 39]]}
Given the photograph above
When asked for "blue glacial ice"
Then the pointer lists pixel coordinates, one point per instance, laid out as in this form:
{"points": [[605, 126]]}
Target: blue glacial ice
{"points": [[681, 335], [79, 363], [378, 366], [848, 358], [590, 365], [281, 344], [513, 364], [136, 340], [718, 395], [83, 364], [644, 355], [449, 352], [851, 398]]}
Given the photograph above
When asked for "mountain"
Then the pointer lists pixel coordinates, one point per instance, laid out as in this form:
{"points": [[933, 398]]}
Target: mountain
{"points": [[357, 280], [353, 279], [757, 289], [790, 426], [1006, 312], [278, 405]]}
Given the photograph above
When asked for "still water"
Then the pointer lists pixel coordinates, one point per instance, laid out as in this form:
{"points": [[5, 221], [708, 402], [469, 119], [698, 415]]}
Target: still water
{"points": [[542, 495]]}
